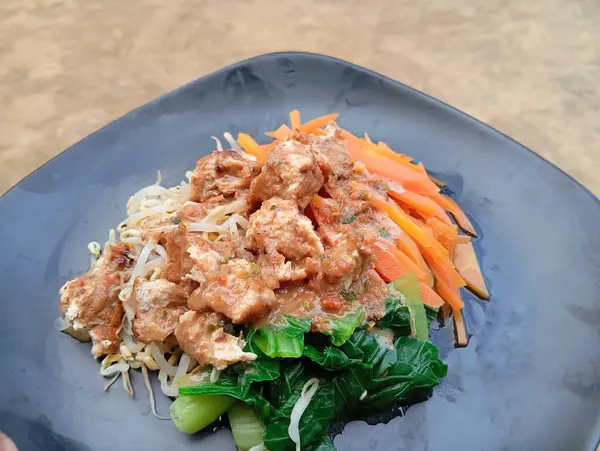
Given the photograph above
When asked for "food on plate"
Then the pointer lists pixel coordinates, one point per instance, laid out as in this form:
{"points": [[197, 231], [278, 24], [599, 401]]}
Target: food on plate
{"points": [[291, 285]]}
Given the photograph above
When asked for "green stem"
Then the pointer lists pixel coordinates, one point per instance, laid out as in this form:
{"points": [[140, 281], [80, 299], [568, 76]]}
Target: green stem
{"points": [[408, 285], [247, 429], [193, 413]]}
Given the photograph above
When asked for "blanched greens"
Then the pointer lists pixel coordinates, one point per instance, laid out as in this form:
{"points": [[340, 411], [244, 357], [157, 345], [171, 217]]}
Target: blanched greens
{"points": [[247, 429], [282, 340], [193, 413], [360, 368], [342, 328]]}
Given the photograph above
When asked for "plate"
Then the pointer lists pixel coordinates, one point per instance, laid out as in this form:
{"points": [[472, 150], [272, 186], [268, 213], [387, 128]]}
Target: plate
{"points": [[530, 377]]}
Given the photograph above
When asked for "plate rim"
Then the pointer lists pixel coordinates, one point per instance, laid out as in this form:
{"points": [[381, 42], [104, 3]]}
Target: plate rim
{"points": [[470, 121], [331, 59]]}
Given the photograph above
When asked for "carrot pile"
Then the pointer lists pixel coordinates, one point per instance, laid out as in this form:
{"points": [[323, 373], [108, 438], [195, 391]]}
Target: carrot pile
{"points": [[431, 244]]}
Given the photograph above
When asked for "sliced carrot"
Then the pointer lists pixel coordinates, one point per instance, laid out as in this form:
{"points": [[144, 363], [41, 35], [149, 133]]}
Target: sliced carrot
{"points": [[444, 269], [449, 294], [282, 133], [295, 120], [424, 205], [269, 147], [423, 276], [315, 124], [430, 297], [466, 263], [252, 147], [388, 168], [460, 331], [392, 262], [404, 160], [461, 218], [386, 265], [435, 254], [406, 223], [414, 217], [408, 162], [447, 235], [411, 250]]}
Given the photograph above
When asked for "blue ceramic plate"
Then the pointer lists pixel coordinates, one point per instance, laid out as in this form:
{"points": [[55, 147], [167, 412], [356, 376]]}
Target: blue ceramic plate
{"points": [[530, 377]]}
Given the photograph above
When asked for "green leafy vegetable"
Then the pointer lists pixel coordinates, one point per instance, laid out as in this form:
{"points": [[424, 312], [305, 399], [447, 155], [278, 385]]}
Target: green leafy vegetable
{"points": [[375, 373], [396, 317], [359, 371], [397, 373], [331, 358], [273, 344], [314, 421], [260, 370], [343, 327], [410, 376], [282, 340], [408, 286], [229, 384]]}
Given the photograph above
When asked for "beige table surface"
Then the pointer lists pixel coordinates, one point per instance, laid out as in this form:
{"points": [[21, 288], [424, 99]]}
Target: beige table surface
{"points": [[529, 68]]}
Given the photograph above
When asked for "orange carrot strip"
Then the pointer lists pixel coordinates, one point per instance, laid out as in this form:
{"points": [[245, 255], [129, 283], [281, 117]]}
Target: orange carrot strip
{"points": [[428, 243], [295, 120], [430, 297], [461, 218], [460, 331], [468, 267], [282, 133], [434, 253], [314, 124], [269, 147], [411, 250], [394, 262], [415, 218], [449, 294], [409, 163], [422, 204], [387, 168], [387, 266], [404, 160], [410, 265], [444, 269], [251, 146], [447, 235]]}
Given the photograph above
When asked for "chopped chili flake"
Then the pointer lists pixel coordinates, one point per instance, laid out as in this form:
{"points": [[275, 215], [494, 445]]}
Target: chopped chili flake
{"points": [[332, 302]]}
